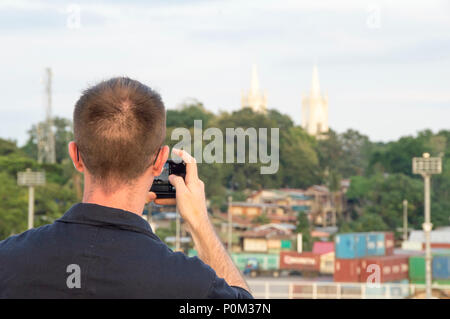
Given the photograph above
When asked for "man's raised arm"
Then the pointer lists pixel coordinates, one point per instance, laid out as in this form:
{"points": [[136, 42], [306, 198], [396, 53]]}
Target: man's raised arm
{"points": [[191, 202]]}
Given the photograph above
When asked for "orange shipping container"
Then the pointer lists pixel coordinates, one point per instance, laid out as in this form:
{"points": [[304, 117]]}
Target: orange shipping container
{"points": [[384, 268], [347, 270]]}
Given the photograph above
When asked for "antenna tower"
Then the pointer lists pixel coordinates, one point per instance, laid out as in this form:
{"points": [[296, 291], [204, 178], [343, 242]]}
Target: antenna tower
{"points": [[46, 137]]}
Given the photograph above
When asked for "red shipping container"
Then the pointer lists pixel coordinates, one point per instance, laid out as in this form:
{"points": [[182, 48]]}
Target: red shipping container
{"points": [[384, 268], [389, 242], [307, 261], [347, 270]]}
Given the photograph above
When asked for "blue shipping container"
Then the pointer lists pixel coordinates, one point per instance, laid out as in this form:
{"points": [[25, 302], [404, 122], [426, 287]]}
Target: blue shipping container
{"points": [[441, 267], [352, 245], [375, 244], [361, 244], [372, 244]]}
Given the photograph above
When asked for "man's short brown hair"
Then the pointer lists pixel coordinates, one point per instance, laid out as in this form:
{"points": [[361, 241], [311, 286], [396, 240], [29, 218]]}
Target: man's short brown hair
{"points": [[118, 125]]}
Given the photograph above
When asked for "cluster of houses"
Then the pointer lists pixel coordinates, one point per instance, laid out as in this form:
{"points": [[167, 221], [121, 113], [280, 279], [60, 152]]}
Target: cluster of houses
{"points": [[267, 219]]}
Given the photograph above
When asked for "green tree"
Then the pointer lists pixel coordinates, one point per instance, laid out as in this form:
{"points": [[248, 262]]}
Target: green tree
{"points": [[187, 113], [376, 201], [356, 153], [395, 157], [13, 206], [63, 130], [298, 159], [9, 147]]}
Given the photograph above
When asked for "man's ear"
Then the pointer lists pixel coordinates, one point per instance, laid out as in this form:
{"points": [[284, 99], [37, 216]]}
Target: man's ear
{"points": [[75, 156], [163, 155]]}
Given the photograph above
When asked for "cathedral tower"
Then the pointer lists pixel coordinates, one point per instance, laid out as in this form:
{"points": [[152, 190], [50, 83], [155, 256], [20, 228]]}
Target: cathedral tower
{"points": [[315, 108], [255, 99]]}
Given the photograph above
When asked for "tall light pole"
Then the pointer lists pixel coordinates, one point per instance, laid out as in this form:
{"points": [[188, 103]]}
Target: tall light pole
{"points": [[45, 135], [426, 166], [30, 179], [405, 220], [230, 225]]}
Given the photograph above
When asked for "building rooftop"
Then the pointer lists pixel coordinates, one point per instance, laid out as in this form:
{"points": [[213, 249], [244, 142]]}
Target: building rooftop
{"points": [[268, 231], [248, 204], [323, 247]]}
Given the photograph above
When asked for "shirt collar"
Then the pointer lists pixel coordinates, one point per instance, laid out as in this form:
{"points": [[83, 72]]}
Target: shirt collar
{"points": [[97, 215]]}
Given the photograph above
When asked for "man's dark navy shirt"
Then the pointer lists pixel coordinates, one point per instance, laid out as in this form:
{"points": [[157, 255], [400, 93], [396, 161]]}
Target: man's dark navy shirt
{"points": [[118, 257]]}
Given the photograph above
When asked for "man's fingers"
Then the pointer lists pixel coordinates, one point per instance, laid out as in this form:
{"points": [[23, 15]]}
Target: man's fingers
{"points": [[191, 164], [151, 197], [185, 156], [178, 183], [166, 201]]}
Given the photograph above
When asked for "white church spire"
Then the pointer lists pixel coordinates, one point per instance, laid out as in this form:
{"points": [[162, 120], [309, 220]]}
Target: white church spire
{"points": [[254, 84], [255, 99], [315, 108]]}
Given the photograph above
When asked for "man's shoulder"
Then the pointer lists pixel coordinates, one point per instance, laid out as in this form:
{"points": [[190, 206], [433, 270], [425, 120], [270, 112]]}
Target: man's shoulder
{"points": [[23, 240], [22, 253]]}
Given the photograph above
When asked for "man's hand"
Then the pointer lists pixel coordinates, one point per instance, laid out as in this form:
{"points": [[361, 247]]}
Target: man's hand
{"points": [[191, 202], [190, 193]]}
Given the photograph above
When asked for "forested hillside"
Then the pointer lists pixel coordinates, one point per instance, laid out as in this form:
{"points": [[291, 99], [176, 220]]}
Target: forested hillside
{"points": [[380, 173]]}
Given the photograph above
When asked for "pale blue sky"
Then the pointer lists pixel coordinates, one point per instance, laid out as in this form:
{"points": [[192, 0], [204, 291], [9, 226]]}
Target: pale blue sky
{"points": [[386, 75]]}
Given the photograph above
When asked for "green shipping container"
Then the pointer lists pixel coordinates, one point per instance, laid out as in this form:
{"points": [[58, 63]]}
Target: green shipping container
{"points": [[417, 281], [265, 261], [416, 268]]}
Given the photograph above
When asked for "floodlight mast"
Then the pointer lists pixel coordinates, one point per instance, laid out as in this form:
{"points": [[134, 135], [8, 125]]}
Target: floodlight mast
{"points": [[30, 179], [427, 166]]}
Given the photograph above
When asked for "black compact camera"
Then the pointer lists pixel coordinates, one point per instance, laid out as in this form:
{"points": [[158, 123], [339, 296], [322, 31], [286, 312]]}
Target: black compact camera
{"points": [[161, 185]]}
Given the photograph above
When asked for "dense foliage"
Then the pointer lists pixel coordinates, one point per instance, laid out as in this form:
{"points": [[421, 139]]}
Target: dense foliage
{"points": [[380, 173]]}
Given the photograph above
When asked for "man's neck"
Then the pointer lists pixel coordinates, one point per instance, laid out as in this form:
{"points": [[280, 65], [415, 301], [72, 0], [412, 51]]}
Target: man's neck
{"points": [[126, 199]]}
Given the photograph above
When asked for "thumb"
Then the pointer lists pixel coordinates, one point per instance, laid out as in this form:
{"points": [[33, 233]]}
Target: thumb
{"points": [[178, 183], [150, 197]]}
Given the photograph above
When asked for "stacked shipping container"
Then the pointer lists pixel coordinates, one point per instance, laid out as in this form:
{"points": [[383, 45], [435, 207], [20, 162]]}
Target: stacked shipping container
{"points": [[417, 269], [357, 245], [347, 270], [359, 255], [385, 268], [440, 268], [349, 246]]}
